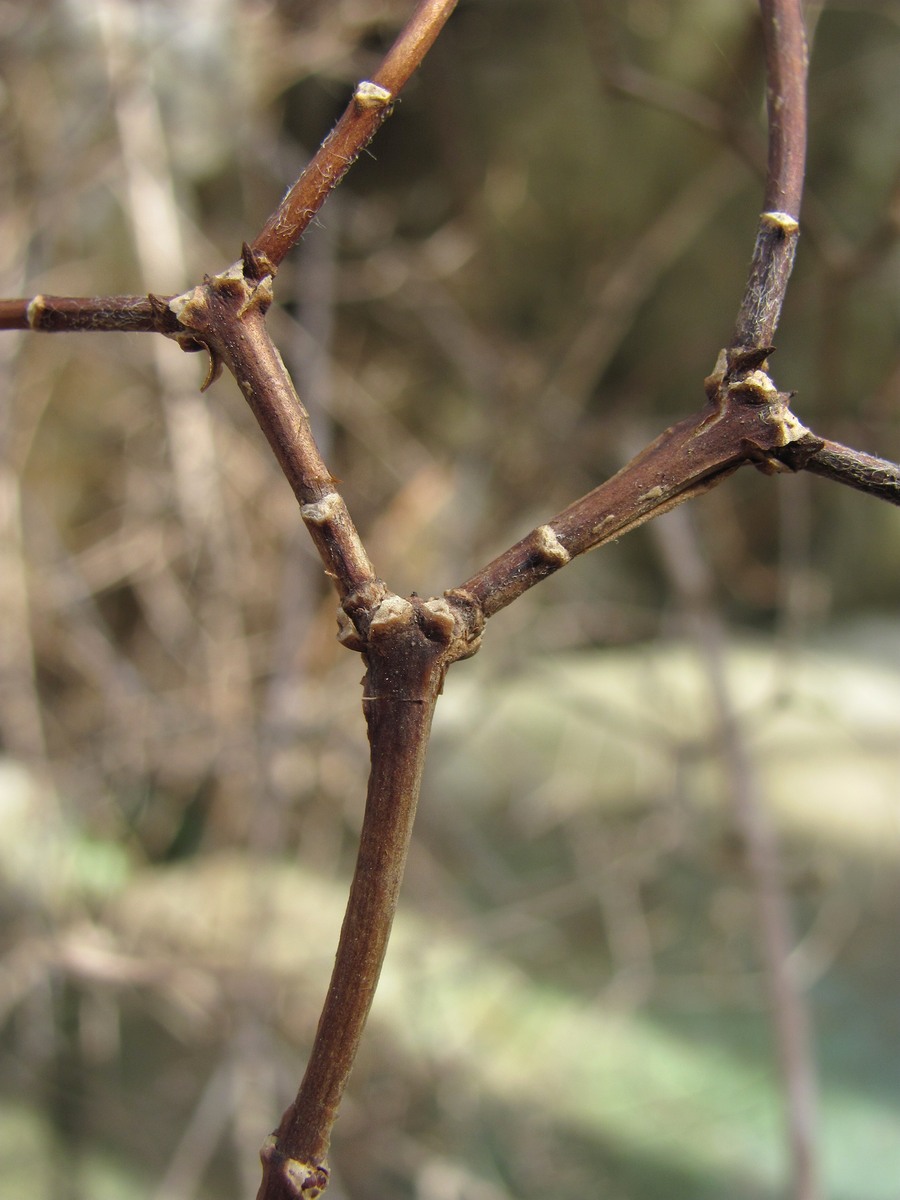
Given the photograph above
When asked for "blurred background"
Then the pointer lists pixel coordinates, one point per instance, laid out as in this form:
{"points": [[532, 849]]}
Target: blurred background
{"points": [[526, 277]]}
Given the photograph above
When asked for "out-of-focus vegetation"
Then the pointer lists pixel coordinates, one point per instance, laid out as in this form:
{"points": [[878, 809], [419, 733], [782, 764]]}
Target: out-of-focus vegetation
{"points": [[531, 271]]}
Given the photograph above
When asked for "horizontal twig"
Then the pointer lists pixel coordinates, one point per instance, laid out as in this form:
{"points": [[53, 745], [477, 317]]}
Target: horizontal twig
{"points": [[67, 314], [867, 473]]}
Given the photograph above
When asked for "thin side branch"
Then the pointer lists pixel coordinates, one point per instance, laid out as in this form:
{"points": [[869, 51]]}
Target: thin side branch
{"points": [[747, 420], [865, 472], [68, 314], [371, 105], [784, 37], [227, 314]]}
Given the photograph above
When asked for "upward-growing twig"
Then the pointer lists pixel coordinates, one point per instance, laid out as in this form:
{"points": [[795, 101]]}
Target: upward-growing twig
{"points": [[784, 37], [372, 103]]}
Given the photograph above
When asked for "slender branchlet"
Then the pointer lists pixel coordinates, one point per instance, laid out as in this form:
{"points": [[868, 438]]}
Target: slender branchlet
{"points": [[747, 420], [372, 102], [784, 39], [864, 472], [770, 271], [227, 314], [787, 63], [370, 106], [89, 314]]}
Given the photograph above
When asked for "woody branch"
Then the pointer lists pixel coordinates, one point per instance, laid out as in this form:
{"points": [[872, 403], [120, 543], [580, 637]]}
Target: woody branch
{"points": [[408, 643], [371, 104]]}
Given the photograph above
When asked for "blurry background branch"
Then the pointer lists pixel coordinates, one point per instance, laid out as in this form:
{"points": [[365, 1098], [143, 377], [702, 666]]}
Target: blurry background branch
{"points": [[758, 844]]}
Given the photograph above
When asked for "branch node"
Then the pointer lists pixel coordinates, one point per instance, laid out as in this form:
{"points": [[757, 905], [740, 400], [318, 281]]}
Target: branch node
{"points": [[369, 96], [320, 512], [754, 388], [740, 359], [256, 264], [470, 619], [797, 454], [305, 1181], [781, 221], [34, 310], [436, 619], [391, 614], [548, 545], [347, 634]]}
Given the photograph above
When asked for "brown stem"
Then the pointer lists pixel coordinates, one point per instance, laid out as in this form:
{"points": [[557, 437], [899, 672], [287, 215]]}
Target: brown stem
{"points": [[770, 271], [410, 643], [407, 644], [747, 420], [784, 38], [865, 472], [114, 314], [370, 106], [787, 60], [227, 313]]}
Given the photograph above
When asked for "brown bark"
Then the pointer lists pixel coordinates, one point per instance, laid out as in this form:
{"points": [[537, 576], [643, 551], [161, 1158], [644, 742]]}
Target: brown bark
{"points": [[408, 644]]}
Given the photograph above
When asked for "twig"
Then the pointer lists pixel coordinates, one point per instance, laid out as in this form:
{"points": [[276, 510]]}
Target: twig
{"points": [[408, 644], [784, 37], [227, 314], [865, 472], [748, 420], [776, 239], [371, 105], [74, 314]]}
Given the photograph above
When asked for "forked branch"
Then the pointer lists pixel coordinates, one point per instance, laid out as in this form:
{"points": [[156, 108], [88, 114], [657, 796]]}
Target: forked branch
{"points": [[227, 315], [371, 105], [408, 644]]}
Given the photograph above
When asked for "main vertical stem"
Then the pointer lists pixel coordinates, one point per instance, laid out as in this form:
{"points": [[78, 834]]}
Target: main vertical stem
{"points": [[401, 689]]}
